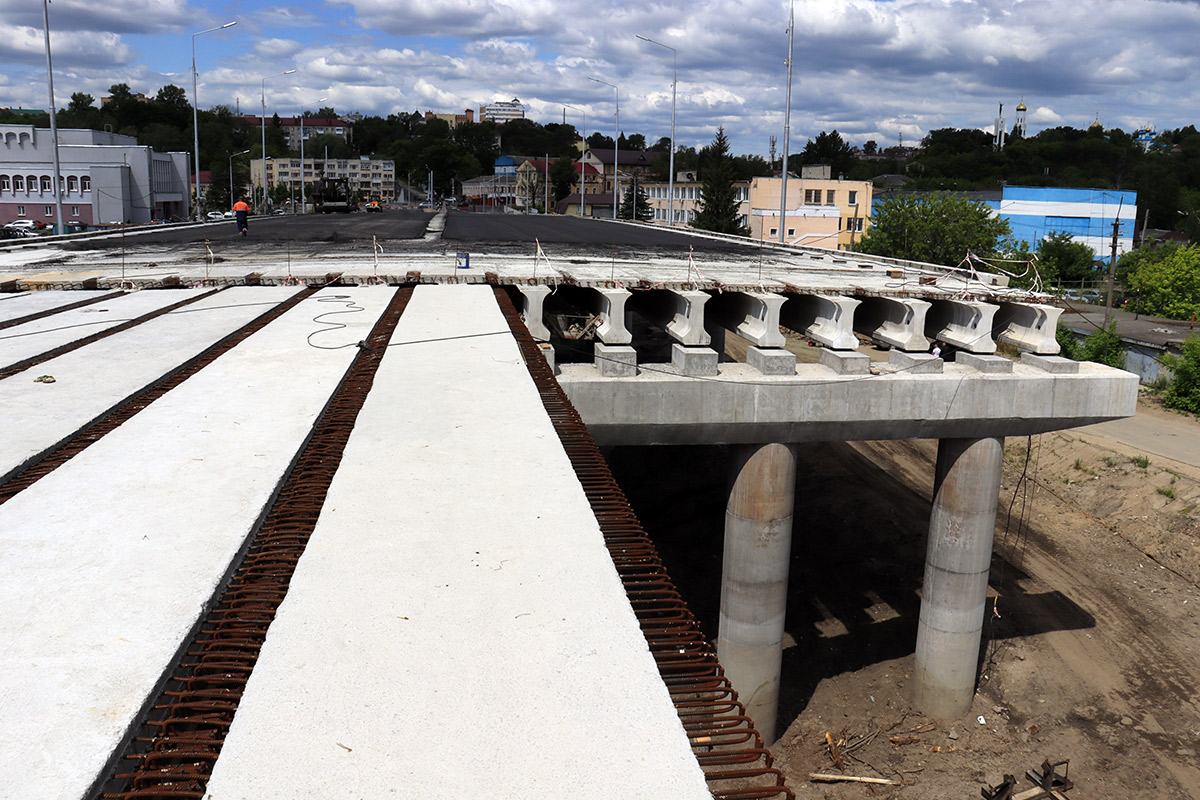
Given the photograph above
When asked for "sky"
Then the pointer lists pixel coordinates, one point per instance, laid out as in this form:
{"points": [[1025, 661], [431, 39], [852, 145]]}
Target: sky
{"points": [[871, 69]]}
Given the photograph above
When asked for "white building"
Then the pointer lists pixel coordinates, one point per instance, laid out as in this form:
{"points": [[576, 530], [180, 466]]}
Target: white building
{"points": [[365, 175], [502, 111], [105, 178], [689, 199]]}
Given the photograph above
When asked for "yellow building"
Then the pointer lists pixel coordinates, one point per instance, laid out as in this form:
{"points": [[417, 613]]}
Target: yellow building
{"points": [[820, 211]]}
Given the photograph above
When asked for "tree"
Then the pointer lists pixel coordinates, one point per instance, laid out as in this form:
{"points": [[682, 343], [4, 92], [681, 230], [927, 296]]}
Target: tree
{"points": [[1063, 260], [172, 97], [1184, 391], [1167, 286], [719, 206], [828, 148], [635, 204], [562, 177], [938, 228]]}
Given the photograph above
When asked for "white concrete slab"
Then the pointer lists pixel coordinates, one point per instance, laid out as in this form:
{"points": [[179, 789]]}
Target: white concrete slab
{"points": [[14, 306], [456, 627], [92, 379], [33, 338], [108, 561]]}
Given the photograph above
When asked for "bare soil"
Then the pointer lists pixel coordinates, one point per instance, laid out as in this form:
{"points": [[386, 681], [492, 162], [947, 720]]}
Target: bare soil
{"points": [[1092, 651]]}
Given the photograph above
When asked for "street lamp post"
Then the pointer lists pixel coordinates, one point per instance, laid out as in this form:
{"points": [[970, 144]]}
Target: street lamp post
{"points": [[582, 159], [303, 202], [232, 156], [195, 114], [671, 167], [57, 182], [263, 119], [616, 134], [787, 129]]}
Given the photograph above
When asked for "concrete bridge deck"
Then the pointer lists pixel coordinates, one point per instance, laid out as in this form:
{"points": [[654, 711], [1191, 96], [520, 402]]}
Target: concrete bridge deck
{"points": [[89, 627]]}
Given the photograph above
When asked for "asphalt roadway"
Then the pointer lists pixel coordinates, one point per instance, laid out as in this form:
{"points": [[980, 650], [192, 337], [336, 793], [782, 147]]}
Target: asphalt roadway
{"points": [[397, 226]]}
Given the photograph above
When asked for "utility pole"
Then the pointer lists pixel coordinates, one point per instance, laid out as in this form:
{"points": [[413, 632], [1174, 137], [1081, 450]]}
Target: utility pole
{"points": [[1112, 266]]}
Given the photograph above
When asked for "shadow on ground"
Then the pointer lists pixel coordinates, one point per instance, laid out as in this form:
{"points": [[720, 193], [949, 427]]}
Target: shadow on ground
{"points": [[858, 556]]}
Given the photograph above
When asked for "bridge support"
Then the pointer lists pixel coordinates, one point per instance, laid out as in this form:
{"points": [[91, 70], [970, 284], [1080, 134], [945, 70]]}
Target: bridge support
{"points": [[954, 595], [758, 542]]}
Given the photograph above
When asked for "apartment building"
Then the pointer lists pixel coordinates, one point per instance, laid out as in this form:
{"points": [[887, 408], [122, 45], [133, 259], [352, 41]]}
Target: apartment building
{"points": [[820, 211], [365, 175]]}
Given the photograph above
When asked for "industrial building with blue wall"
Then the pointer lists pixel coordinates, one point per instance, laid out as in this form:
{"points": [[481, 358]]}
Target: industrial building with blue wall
{"points": [[1034, 212]]}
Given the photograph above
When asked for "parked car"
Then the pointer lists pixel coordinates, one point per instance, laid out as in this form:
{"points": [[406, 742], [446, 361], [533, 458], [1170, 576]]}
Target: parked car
{"points": [[227, 215], [26, 224], [214, 216]]}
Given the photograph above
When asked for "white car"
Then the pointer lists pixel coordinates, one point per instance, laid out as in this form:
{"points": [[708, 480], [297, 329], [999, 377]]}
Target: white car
{"points": [[215, 216], [26, 224]]}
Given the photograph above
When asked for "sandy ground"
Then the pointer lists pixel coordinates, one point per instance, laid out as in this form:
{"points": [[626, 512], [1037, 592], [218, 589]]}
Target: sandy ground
{"points": [[1092, 653]]}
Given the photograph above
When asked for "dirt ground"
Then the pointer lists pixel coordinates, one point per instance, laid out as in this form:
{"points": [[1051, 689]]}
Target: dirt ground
{"points": [[1092, 653]]}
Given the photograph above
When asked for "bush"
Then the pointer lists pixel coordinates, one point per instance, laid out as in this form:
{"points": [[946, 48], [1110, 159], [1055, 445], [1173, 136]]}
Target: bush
{"points": [[1184, 391], [1068, 342], [1104, 347]]}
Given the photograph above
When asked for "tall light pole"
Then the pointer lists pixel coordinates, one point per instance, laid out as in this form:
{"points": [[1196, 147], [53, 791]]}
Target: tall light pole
{"points": [[674, 87], [787, 126], [56, 183], [263, 119], [582, 158], [232, 156], [303, 204], [195, 114], [616, 134]]}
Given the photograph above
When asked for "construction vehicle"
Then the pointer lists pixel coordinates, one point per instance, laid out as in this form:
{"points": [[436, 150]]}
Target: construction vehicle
{"points": [[374, 203], [332, 195]]}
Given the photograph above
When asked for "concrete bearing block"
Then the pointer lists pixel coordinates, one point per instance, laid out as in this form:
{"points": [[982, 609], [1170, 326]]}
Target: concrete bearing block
{"points": [[918, 363], [694, 361], [616, 360], [1053, 364], [844, 362], [548, 353], [990, 364], [771, 361]]}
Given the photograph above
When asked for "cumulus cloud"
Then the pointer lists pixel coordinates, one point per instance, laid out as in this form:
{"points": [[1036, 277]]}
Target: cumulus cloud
{"points": [[112, 16], [873, 69]]}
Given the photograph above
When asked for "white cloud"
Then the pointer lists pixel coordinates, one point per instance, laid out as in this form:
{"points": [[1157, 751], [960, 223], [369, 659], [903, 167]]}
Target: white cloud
{"points": [[873, 69], [278, 48]]}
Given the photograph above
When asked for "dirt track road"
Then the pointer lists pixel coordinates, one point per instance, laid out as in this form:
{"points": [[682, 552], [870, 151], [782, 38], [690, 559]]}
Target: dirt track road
{"points": [[1155, 431]]}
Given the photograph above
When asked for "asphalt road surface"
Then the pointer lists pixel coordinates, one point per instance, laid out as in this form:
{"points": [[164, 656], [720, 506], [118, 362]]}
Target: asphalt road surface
{"points": [[465, 228]]}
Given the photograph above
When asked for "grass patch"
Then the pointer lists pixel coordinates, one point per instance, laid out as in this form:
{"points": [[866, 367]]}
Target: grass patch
{"points": [[1140, 461], [1166, 491], [1109, 461]]}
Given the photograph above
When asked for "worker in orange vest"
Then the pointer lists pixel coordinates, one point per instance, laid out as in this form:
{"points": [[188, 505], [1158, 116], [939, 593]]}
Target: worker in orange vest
{"points": [[241, 211]]}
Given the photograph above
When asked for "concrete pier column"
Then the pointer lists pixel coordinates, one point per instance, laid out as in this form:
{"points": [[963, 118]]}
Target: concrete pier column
{"points": [[758, 543], [954, 595]]}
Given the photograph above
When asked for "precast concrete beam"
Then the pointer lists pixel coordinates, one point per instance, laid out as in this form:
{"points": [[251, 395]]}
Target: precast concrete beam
{"points": [[894, 321], [954, 593], [825, 319], [754, 576], [752, 315], [1028, 327], [533, 299], [610, 306], [680, 312], [966, 324]]}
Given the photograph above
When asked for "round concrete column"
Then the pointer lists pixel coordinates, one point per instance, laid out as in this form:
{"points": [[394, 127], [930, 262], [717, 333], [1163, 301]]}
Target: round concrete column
{"points": [[953, 597], [758, 544]]}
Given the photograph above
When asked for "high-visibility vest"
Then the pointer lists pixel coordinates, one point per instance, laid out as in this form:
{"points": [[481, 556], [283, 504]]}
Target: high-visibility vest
{"points": [[240, 206]]}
